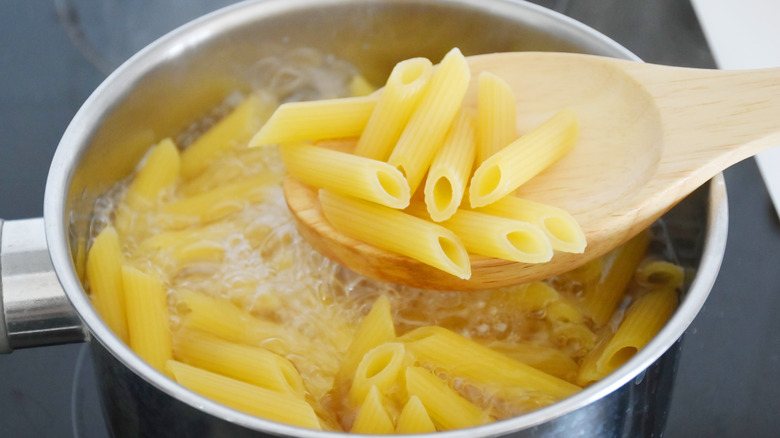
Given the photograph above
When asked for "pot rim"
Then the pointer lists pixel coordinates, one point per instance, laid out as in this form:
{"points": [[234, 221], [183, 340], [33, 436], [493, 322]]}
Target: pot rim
{"points": [[82, 126]]}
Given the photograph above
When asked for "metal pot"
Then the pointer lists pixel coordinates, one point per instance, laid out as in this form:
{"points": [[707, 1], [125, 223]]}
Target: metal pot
{"points": [[168, 84]]}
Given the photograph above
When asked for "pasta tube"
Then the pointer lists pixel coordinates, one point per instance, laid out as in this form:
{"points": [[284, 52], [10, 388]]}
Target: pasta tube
{"points": [[215, 204], [104, 274], [223, 319], [372, 415], [496, 115], [347, 174], [423, 135], [157, 173], [451, 169], [561, 228], [242, 396], [380, 369], [414, 418], [254, 365], [147, 317], [458, 356], [399, 97], [644, 319], [398, 232], [447, 409], [375, 329], [235, 129], [508, 169], [600, 301], [497, 237], [316, 120]]}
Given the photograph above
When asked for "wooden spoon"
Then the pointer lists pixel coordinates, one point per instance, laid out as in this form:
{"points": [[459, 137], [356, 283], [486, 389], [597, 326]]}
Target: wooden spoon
{"points": [[649, 136]]}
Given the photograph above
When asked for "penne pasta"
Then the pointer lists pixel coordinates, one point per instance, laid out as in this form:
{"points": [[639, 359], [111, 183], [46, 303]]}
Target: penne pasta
{"points": [[561, 228], [396, 231], [242, 396], [496, 115], [346, 174], [414, 418], [214, 204], [660, 273], [380, 368], [254, 365], [498, 237], [372, 415], [400, 96], [375, 329], [104, 274], [456, 355], [643, 320], [548, 359], [451, 169], [147, 317], [447, 409], [223, 319], [316, 120], [423, 135], [505, 171], [158, 172], [359, 86], [232, 131], [600, 301]]}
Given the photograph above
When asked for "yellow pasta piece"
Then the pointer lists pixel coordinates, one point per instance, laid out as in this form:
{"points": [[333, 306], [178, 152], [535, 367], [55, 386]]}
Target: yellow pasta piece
{"points": [[451, 169], [185, 246], [375, 329], [660, 273], [562, 229], [242, 396], [223, 319], [214, 204], [534, 297], [316, 120], [643, 320], [158, 172], [229, 169], [600, 301], [359, 86], [423, 135], [235, 129], [346, 174], [104, 274], [447, 409], [254, 365], [372, 416], [508, 169], [147, 317], [398, 232], [156, 175], [496, 115], [495, 236], [414, 418], [401, 94], [548, 359], [458, 356], [380, 368]]}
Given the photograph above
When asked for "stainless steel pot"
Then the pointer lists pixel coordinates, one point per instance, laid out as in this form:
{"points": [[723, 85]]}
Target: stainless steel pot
{"points": [[168, 84]]}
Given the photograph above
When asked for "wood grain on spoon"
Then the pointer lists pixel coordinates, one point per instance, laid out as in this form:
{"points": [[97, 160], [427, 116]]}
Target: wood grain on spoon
{"points": [[649, 136]]}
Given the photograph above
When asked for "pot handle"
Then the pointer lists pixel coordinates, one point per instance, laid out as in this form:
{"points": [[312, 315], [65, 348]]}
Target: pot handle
{"points": [[34, 310]]}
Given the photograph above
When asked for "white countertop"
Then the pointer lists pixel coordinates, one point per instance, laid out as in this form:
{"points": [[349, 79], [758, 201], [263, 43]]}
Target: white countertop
{"points": [[744, 34]]}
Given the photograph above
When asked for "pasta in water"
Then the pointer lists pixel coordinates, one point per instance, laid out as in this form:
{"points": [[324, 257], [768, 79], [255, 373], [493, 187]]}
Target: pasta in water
{"points": [[196, 264]]}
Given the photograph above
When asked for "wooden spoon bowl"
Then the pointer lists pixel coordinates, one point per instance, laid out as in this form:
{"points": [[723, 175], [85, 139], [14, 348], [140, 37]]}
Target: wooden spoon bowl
{"points": [[649, 136]]}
